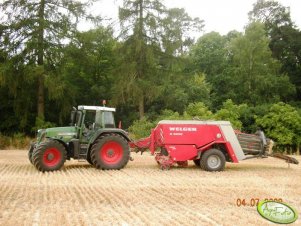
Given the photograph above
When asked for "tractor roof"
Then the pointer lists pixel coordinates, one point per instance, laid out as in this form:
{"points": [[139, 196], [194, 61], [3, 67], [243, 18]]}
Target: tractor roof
{"points": [[95, 108]]}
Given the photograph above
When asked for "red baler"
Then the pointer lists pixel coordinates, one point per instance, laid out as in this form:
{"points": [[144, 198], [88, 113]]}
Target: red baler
{"points": [[208, 143]]}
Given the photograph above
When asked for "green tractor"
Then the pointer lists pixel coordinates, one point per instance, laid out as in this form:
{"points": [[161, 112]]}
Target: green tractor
{"points": [[92, 135]]}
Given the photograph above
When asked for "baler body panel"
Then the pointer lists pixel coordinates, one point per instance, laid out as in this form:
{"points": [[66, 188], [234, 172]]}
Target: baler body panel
{"points": [[196, 136], [232, 139], [182, 152], [184, 134]]}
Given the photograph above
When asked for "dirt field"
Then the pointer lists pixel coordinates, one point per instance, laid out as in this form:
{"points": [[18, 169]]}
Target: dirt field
{"points": [[141, 194]]}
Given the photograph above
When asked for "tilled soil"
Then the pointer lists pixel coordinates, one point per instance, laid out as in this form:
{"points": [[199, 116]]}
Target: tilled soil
{"points": [[141, 193]]}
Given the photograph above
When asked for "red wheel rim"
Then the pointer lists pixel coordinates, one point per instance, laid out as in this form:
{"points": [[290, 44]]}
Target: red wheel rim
{"points": [[52, 157], [111, 152]]}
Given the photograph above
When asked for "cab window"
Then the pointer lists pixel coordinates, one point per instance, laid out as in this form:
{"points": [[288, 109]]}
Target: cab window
{"points": [[108, 119], [89, 119]]}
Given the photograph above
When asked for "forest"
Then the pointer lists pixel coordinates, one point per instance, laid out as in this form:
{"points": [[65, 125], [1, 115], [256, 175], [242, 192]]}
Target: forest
{"points": [[150, 68]]}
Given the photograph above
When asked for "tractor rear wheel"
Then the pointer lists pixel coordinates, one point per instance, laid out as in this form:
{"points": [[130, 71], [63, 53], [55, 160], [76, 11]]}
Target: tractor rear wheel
{"points": [[110, 151], [49, 156], [213, 160]]}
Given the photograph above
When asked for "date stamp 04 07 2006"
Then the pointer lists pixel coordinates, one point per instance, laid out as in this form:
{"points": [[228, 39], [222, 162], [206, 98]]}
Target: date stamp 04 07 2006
{"points": [[253, 202]]}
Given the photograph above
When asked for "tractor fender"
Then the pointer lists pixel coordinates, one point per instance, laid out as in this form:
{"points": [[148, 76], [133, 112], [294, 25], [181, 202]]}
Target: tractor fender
{"points": [[108, 131]]}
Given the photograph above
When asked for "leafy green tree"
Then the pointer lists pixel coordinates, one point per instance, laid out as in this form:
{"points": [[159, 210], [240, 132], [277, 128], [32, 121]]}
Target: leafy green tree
{"points": [[231, 112], [285, 38], [272, 13], [209, 54], [182, 89], [17, 92], [283, 124], [33, 34], [88, 66], [256, 73], [176, 34], [249, 114], [139, 24], [153, 37], [142, 128], [198, 110], [198, 89]]}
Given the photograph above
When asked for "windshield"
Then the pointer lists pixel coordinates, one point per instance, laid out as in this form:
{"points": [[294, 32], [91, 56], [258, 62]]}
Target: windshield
{"points": [[75, 118], [89, 119], [99, 119]]}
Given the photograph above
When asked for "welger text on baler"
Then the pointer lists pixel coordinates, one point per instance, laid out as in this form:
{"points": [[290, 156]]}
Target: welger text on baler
{"points": [[188, 129]]}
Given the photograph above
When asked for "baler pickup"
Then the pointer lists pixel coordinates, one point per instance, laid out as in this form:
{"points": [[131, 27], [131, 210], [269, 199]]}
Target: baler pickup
{"points": [[258, 146], [288, 159]]}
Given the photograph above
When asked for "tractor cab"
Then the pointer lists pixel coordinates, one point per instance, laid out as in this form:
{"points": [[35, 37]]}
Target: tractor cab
{"points": [[90, 118]]}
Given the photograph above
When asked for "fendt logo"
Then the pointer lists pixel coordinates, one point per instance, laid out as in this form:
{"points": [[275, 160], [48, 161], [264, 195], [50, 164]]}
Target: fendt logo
{"points": [[189, 129]]}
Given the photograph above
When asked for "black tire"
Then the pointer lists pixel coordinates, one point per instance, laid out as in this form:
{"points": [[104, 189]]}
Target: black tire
{"points": [[197, 162], [89, 160], [32, 146], [213, 160], [110, 151], [49, 156]]}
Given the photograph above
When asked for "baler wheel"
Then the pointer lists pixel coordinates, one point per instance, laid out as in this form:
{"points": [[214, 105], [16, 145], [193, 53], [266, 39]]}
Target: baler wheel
{"points": [[110, 151], [213, 160], [49, 156]]}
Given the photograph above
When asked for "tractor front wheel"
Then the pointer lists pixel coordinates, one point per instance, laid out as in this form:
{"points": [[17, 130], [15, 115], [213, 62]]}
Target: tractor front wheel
{"points": [[213, 160], [49, 156], [32, 146], [110, 151], [89, 160]]}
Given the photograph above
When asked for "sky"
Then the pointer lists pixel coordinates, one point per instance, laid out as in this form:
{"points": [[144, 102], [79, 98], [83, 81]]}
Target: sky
{"points": [[219, 15]]}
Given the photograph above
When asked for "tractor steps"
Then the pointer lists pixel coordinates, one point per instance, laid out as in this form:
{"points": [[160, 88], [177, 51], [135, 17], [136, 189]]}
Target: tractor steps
{"points": [[82, 155]]}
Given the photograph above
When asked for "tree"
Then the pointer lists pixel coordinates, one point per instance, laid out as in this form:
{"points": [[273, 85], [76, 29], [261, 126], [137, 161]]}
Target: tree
{"points": [[88, 66], [177, 28], [285, 38], [33, 33], [209, 54], [271, 13], [198, 110], [139, 24], [283, 124], [257, 75], [17, 92], [231, 112], [152, 38]]}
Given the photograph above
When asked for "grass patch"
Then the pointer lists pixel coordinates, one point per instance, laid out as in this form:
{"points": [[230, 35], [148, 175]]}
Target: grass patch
{"points": [[16, 141]]}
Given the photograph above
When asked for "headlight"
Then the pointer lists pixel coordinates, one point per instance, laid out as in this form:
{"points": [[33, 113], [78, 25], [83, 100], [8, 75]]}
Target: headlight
{"points": [[41, 135]]}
